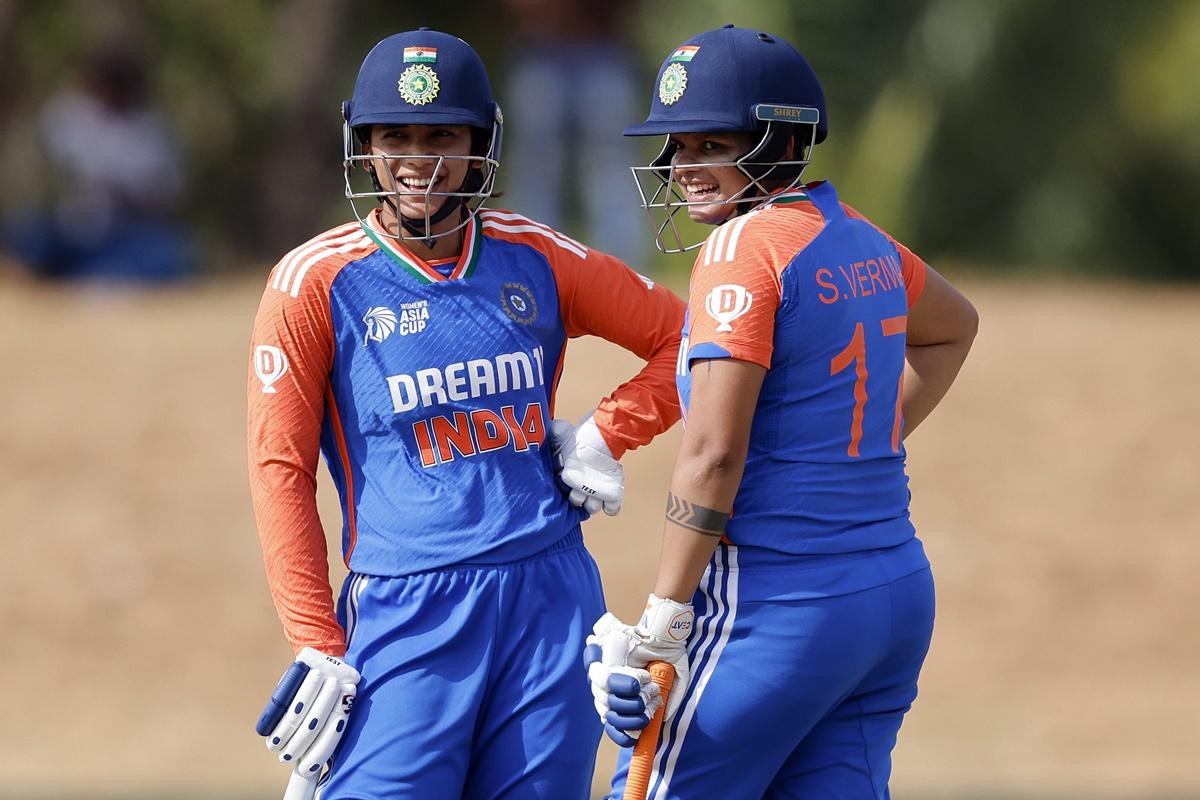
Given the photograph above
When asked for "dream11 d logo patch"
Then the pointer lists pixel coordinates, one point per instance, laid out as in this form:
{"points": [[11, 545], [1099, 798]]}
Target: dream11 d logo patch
{"points": [[727, 302], [518, 303], [269, 365]]}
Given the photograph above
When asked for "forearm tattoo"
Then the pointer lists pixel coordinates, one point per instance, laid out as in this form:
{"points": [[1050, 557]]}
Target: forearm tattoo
{"points": [[696, 518]]}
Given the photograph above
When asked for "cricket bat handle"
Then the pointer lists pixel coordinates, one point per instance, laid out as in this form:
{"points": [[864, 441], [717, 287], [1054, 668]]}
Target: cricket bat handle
{"points": [[637, 783], [301, 787]]}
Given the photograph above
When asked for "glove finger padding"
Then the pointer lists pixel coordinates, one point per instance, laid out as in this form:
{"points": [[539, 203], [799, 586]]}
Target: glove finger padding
{"points": [[627, 685], [632, 701], [606, 648], [318, 714], [296, 713], [330, 734], [620, 737], [315, 715], [590, 504], [623, 692]]}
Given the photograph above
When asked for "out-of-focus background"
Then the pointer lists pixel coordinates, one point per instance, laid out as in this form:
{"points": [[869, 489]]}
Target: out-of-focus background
{"points": [[157, 156]]}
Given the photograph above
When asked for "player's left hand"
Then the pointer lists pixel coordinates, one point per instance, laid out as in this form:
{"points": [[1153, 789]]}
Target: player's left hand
{"points": [[617, 655], [306, 715], [593, 478]]}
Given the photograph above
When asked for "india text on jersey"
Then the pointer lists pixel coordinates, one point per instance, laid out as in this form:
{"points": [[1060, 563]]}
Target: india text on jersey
{"points": [[461, 433]]}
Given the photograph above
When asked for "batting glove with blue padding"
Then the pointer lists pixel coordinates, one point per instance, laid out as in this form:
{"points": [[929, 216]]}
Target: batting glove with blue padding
{"points": [[593, 478], [616, 656], [306, 716]]}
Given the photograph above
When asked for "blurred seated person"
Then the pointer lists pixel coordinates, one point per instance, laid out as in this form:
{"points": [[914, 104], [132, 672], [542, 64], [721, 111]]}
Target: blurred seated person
{"points": [[117, 180]]}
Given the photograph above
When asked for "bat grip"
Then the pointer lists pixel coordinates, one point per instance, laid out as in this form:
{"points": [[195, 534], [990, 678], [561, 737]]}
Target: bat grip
{"points": [[637, 782], [301, 787]]}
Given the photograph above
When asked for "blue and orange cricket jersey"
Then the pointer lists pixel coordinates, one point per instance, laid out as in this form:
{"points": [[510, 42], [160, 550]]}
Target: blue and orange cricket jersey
{"points": [[428, 391], [815, 613], [808, 288]]}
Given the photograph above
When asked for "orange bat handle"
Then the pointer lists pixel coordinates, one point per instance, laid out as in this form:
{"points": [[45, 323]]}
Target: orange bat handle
{"points": [[637, 783]]}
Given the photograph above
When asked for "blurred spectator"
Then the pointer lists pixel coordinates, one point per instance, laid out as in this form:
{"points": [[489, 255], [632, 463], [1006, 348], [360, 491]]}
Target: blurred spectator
{"points": [[571, 90], [117, 179]]}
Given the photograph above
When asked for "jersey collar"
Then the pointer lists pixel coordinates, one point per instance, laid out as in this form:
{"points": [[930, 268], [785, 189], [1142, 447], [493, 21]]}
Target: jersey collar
{"points": [[790, 196], [419, 269]]}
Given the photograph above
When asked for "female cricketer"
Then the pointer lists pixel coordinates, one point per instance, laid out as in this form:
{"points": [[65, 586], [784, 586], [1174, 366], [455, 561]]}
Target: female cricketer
{"points": [[418, 349], [792, 597]]}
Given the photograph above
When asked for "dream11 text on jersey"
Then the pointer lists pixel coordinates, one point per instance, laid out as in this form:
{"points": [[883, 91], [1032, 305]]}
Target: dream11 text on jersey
{"points": [[482, 430]]}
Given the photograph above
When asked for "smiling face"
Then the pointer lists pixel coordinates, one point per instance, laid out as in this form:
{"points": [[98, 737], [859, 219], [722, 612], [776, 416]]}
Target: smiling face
{"points": [[407, 158], [694, 167]]}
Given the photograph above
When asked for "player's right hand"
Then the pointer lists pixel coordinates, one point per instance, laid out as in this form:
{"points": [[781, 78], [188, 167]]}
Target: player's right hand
{"points": [[616, 655], [306, 715]]}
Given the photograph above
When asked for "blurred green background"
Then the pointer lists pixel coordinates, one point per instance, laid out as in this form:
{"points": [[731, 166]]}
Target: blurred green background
{"points": [[1049, 135]]}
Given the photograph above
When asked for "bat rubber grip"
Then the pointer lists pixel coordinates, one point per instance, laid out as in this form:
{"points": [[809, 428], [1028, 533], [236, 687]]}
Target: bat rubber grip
{"points": [[637, 783], [300, 787]]}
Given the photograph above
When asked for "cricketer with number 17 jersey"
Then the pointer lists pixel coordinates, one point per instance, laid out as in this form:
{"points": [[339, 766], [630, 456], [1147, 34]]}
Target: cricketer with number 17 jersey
{"points": [[428, 389], [809, 289]]}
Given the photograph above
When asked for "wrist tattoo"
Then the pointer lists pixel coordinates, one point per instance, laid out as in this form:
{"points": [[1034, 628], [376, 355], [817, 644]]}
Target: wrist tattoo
{"points": [[686, 514]]}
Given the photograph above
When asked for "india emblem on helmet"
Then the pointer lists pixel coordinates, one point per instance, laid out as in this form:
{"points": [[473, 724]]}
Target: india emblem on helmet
{"points": [[419, 85], [673, 84]]}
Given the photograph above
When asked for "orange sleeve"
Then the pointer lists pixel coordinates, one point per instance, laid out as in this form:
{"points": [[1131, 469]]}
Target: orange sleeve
{"points": [[291, 355], [735, 292], [600, 296], [911, 266], [913, 269]]}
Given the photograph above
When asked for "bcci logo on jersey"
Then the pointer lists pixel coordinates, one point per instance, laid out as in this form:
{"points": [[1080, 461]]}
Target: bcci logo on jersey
{"points": [[518, 303], [727, 302], [382, 322]]}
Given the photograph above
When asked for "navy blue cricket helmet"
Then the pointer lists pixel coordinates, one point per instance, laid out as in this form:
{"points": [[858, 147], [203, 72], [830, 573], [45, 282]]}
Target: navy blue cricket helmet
{"points": [[422, 77], [425, 77], [734, 79]]}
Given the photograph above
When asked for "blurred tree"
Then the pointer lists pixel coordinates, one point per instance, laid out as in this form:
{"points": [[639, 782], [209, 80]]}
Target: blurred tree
{"points": [[1035, 161], [304, 135], [6, 36], [1060, 134]]}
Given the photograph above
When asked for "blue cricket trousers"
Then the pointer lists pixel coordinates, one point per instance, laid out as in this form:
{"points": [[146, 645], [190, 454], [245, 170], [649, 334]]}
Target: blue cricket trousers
{"points": [[472, 682], [795, 699]]}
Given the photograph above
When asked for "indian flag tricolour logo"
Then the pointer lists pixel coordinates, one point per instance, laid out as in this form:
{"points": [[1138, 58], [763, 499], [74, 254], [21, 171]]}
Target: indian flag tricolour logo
{"points": [[420, 55], [685, 53]]}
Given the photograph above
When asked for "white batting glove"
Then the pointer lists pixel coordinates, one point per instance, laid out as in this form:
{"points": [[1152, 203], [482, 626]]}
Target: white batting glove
{"points": [[594, 479], [617, 654], [306, 715]]}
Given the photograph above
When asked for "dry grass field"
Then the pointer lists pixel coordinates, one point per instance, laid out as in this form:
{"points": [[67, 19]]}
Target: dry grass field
{"points": [[1057, 491]]}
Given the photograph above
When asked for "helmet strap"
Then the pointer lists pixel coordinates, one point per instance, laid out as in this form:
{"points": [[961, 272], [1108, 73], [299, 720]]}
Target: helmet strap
{"points": [[420, 228]]}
